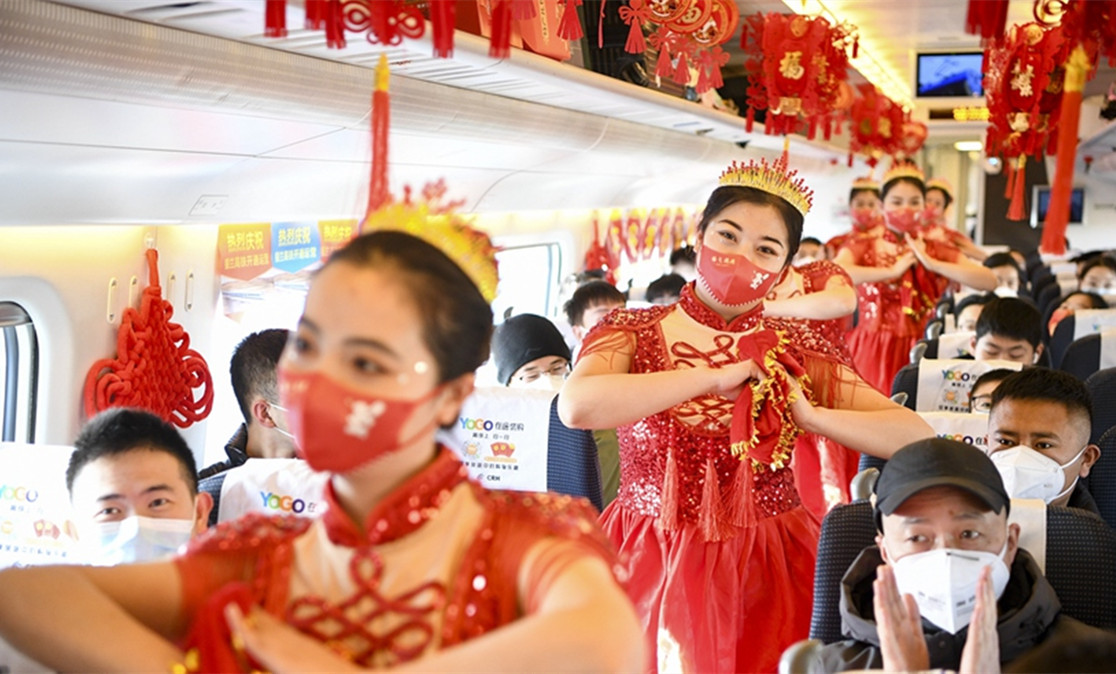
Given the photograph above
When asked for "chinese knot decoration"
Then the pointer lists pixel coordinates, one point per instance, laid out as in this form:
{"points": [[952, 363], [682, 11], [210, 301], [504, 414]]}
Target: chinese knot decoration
{"points": [[1024, 80], [387, 22], [881, 128], [687, 35], [796, 70], [155, 369]]}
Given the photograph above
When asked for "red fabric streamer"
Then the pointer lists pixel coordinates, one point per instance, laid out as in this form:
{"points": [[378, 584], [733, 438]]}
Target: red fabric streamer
{"points": [[379, 192], [523, 10], [569, 28], [499, 46], [315, 14], [275, 18], [986, 18], [1078, 67], [635, 14], [681, 70], [155, 369], [1015, 209], [763, 431], [334, 25], [443, 17]]}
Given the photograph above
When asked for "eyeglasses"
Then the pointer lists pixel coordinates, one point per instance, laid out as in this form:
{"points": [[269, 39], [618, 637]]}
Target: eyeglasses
{"points": [[560, 370], [982, 403]]}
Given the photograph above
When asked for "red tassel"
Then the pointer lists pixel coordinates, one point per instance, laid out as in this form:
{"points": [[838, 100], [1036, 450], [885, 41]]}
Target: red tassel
{"points": [[827, 132], [334, 25], [812, 131], [741, 511], [681, 70], [668, 503], [750, 120], [275, 18], [442, 19], [569, 28], [635, 44], [600, 26], [315, 14], [523, 10], [856, 47], [710, 514], [703, 82], [743, 34], [499, 45], [850, 160], [1015, 211], [1010, 181], [663, 67], [986, 18]]}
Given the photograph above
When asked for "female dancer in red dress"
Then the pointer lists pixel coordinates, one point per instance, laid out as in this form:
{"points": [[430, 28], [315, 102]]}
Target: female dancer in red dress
{"points": [[412, 564], [939, 196], [865, 211], [900, 277], [719, 550]]}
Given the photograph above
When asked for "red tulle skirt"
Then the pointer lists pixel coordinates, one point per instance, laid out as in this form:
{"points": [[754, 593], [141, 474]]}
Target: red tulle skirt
{"points": [[878, 355], [727, 606], [823, 470]]}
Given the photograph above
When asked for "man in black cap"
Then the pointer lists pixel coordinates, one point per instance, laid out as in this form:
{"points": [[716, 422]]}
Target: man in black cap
{"points": [[530, 353], [945, 556]]}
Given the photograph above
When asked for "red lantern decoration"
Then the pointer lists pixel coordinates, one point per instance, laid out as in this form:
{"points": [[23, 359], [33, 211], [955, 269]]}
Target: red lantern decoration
{"points": [[687, 35], [797, 67]]}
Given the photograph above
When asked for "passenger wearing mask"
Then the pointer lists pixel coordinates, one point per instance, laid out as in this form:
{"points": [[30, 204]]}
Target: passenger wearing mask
{"points": [[588, 306], [264, 433], [682, 262], [968, 310], [1098, 276], [665, 289], [134, 488], [810, 250], [1038, 437], [980, 398], [530, 353], [946, 586], [1008, 329], [1009, 277], [1073, 302], [412, 564], [900, 275], [590, 303]]}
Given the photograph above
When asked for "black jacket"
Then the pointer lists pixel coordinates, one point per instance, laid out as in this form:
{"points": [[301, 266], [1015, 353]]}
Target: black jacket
{"points": [[236, 449], [1029, 614]]}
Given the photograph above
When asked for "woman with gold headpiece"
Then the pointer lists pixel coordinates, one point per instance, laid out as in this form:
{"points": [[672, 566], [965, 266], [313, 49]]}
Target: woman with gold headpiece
{"points": [[939, 197], [412, 563], [705, 395], [900, 276]]}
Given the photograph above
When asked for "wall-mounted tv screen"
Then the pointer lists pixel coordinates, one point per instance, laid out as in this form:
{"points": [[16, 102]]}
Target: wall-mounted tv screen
{"points": [[1040, 204], [952, 74]]}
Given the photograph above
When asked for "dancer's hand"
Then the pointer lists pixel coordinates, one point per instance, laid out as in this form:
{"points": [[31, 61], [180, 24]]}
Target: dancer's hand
{"points": [[729, 380], [278, 647]]}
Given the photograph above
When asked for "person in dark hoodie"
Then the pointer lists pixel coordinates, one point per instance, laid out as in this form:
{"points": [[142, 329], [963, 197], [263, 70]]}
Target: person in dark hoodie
{"points": [[944, 551]]}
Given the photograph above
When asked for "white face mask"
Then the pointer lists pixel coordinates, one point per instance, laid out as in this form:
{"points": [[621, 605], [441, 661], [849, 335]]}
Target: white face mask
{"points": [[1031, 474], [1004, 291], [547, 382], [137, 539], [943, 582]]}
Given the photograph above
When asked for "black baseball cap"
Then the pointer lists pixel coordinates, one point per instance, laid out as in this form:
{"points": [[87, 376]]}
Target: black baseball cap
{"points": [[937, 462]]}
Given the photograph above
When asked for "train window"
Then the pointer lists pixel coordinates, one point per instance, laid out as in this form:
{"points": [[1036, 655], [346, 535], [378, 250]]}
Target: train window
{"points": [[19, 360], [529, 280]]}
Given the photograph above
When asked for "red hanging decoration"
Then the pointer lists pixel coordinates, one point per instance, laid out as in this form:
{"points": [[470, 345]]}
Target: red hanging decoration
{"points": [[315, 14], [500, 41], [154, 369], [275, 18], [379, 192], [569, 28], [986, 18], [443, 17], [635, 14], [334, 25], [523, 10], [1015, 206]]}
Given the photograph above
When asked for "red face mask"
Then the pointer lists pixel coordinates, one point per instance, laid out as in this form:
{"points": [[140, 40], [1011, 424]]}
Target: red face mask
{"points": [[338, 429], [733, 279], [864, 219], [904, 220]]}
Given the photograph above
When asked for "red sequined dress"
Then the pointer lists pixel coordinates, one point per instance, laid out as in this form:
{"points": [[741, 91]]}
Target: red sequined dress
{"points": [[823, 468], [720, 557], [892, 314], [437, 564]]}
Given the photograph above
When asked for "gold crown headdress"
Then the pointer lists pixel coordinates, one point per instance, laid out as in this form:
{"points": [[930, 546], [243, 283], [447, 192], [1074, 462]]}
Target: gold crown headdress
{"points": [[904, 169], [866, 183], [774, 178], [941, 184], [431, 219]]}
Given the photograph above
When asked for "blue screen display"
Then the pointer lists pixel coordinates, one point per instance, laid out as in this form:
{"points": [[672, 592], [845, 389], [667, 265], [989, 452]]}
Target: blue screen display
{"points": [[957, 74], [1042, 205]]}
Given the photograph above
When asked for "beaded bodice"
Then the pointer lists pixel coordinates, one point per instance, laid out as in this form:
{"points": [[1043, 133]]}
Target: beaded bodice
{"points": [[436, 563], [676, 465]]}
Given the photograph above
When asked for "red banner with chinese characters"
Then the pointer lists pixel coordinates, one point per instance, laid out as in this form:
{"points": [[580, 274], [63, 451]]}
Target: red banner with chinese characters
{"points": [[244, 250]]}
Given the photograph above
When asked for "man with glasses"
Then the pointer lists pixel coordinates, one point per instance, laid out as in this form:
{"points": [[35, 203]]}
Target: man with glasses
{"points": [[530, 353]]}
